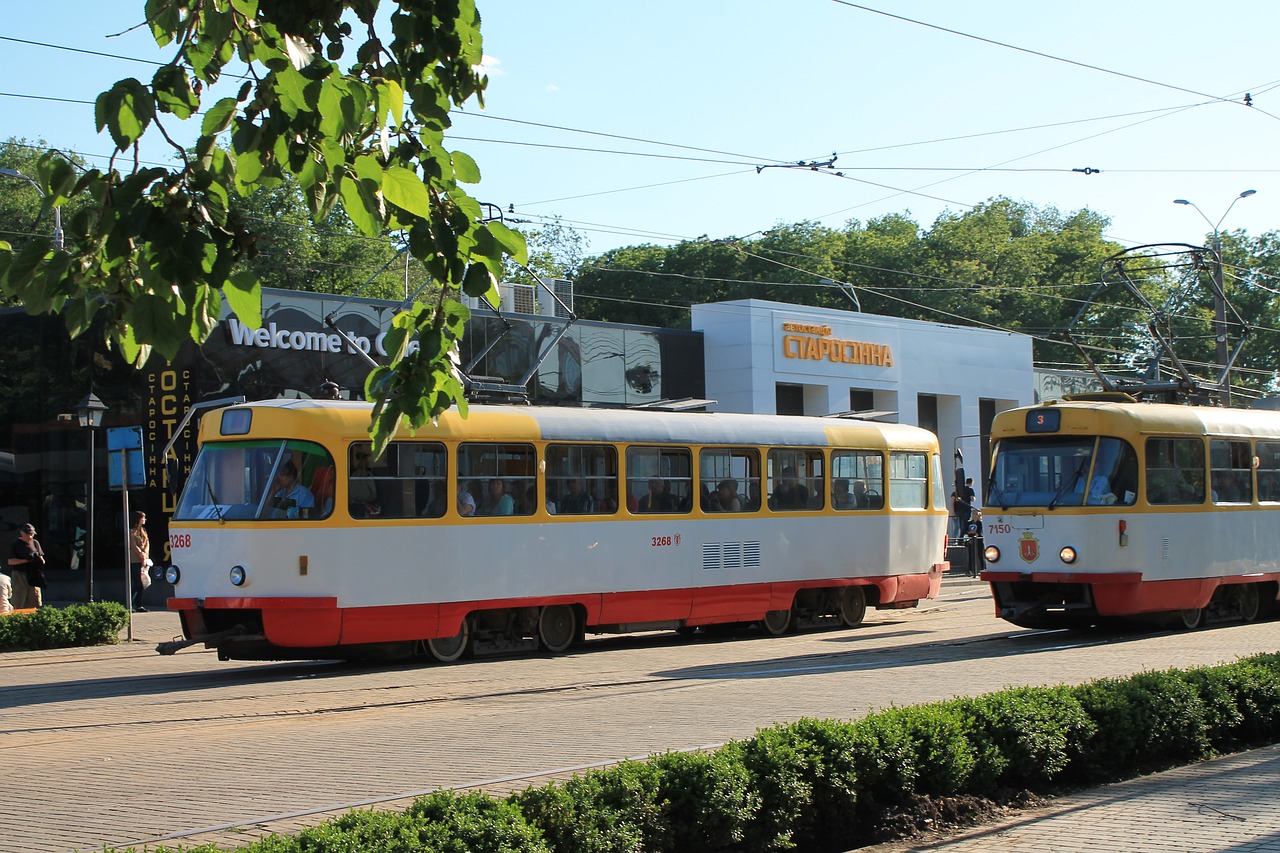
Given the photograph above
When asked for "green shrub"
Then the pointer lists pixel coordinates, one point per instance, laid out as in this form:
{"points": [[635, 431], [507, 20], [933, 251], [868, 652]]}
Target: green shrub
{"points": [[607, 811], [783, 765], [61, 627], [923, 749], [708, 799], [443, 822], [1145, 722], [1024, 737]]}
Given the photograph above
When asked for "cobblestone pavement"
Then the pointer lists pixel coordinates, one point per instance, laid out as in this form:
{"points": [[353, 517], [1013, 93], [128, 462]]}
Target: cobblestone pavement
{"points": [[116, 745]]}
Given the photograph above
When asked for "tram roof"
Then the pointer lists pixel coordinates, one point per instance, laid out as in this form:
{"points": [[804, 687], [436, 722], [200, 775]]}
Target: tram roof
{"points": [[548, 423], [1143, 417]]}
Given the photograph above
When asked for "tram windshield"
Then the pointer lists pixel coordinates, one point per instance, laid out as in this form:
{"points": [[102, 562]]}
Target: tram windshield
{"points": [[258, 480], [1053, 471]]}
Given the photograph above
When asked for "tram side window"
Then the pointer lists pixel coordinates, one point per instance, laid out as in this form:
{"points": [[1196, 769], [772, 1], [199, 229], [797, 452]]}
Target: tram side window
{"points": [[582, 479], [729, 479], [1269, 471], [660, 479], [1175, 471], [409, 480], [1230, 471], [796, 480], [908, 480], [501, 478], [857, 479]]}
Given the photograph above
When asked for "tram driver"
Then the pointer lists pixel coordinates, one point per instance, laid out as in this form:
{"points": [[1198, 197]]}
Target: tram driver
{"points": [[290, 495]]}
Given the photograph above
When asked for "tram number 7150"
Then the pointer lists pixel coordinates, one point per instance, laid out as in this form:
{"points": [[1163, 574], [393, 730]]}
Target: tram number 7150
{"points": [[999, 528]]}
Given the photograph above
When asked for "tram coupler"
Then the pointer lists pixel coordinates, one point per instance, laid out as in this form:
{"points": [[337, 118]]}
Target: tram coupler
{"points": [[171, 647]]}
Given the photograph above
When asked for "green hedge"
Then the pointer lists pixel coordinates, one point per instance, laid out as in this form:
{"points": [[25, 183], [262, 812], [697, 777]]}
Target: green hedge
{"points": [[61, 627], [825, 785]]}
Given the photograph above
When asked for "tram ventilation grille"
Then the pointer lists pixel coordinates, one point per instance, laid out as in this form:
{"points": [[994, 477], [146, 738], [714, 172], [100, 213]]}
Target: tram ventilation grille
{"points": [[730, 555]]}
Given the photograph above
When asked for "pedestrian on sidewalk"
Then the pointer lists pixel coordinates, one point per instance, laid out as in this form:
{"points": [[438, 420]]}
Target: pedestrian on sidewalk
{"points": [[26, 568], [139, 557]]}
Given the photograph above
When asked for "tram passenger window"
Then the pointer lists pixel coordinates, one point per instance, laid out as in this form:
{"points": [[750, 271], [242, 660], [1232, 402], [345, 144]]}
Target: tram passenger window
{"points": [[407, 481], [730, 479], [857, 479], [1230, 471], [908, 480], [795, 480], [660, 479], [582, 479], [506, 473], [1175, 471], [1269, 471]]}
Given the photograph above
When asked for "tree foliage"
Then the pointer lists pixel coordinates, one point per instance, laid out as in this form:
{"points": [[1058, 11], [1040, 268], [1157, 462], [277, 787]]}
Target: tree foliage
{"points": [[157, 249]]}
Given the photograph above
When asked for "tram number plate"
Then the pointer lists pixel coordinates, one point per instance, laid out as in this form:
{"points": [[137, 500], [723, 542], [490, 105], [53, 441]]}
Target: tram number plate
{"points": [[179, 540], [999, 528], [665, 541]]}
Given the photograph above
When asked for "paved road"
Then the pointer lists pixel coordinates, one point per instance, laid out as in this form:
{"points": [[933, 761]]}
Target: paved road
{"points": [[117, 745]]}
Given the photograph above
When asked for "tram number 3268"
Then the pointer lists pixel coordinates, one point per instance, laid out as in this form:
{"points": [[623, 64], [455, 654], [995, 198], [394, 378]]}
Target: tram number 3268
{"points": [[665, 541]]}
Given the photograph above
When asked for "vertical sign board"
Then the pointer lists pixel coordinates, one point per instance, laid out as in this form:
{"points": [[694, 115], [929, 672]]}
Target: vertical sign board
{"points": [[126, 469]]}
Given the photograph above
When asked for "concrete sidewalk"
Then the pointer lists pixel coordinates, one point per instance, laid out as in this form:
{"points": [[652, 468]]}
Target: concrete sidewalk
{"points": [[1225, 804]]}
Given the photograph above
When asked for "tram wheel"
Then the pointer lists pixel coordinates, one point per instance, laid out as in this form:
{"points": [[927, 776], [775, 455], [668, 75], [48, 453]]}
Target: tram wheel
{"points": [[777, 622], [557, 626], [1250, 601], [853, 606], [449, 649], [1191, 618]]}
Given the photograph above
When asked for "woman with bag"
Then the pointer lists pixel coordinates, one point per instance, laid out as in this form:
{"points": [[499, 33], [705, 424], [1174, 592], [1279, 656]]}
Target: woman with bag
{"points": [[139, 558], [26, 566]]}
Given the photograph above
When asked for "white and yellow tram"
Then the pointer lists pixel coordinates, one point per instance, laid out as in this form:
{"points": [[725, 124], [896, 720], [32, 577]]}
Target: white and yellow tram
{"points": [[525, 527], [1115, 508]]}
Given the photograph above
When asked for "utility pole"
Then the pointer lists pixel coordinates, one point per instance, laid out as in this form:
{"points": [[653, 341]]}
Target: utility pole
{"points": [[1219, 295]]}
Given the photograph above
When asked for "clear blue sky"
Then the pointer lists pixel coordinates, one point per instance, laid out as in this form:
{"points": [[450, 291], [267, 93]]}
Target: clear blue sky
{"points": [[757, 83]]}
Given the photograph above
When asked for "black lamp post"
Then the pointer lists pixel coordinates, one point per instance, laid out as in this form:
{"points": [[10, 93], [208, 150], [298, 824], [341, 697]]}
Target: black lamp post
{"points": [[90, 411]]}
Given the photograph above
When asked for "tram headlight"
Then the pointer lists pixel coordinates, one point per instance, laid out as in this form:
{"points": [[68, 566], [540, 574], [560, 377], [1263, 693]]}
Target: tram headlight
{"points": [[173, 574], [1067, 555], [991, 554], [238, 575]]}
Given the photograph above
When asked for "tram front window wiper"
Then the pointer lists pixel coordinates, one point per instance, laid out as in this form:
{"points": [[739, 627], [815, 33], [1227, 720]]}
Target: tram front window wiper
{"points": [[214, 498], [1070, 483]]}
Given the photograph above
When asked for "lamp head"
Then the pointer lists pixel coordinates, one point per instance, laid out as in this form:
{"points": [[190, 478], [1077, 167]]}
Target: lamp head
{"points": [[90, 411], [1247, 193], [1181, 201], [10, 173]]}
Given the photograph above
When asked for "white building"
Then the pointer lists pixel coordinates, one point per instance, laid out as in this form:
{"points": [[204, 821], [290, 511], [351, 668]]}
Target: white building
{"points": [[769, 357]]}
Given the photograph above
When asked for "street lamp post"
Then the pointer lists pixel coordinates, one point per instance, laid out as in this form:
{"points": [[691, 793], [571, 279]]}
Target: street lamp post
{"points": [[90, 411], [57, 211], [1219, 295]]}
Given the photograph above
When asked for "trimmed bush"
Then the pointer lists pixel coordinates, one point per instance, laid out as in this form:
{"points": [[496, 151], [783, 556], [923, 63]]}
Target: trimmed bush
{"points": [[62, 627], [1024, 737], [708, 798], [1147, 722], [608, 811]]}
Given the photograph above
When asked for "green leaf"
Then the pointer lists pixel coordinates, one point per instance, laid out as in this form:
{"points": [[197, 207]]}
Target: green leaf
{"points": [[390, 102], [174, 93], [512, 241], [244, 297], [361, 206], [481, 283], [125, 110], [464, 168], [403, 188], [218, 118], [152, 318]]}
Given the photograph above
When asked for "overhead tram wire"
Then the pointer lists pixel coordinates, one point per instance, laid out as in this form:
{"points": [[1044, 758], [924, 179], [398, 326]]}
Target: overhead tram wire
{"points": [[1051, 56]]}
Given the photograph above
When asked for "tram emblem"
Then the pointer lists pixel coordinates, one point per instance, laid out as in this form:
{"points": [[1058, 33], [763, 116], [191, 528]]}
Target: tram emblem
{"points": [[1029, 547]]}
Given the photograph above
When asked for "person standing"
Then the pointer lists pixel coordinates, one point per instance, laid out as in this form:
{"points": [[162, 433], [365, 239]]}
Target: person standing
{"points": [[139, 556], [26, 568]]}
